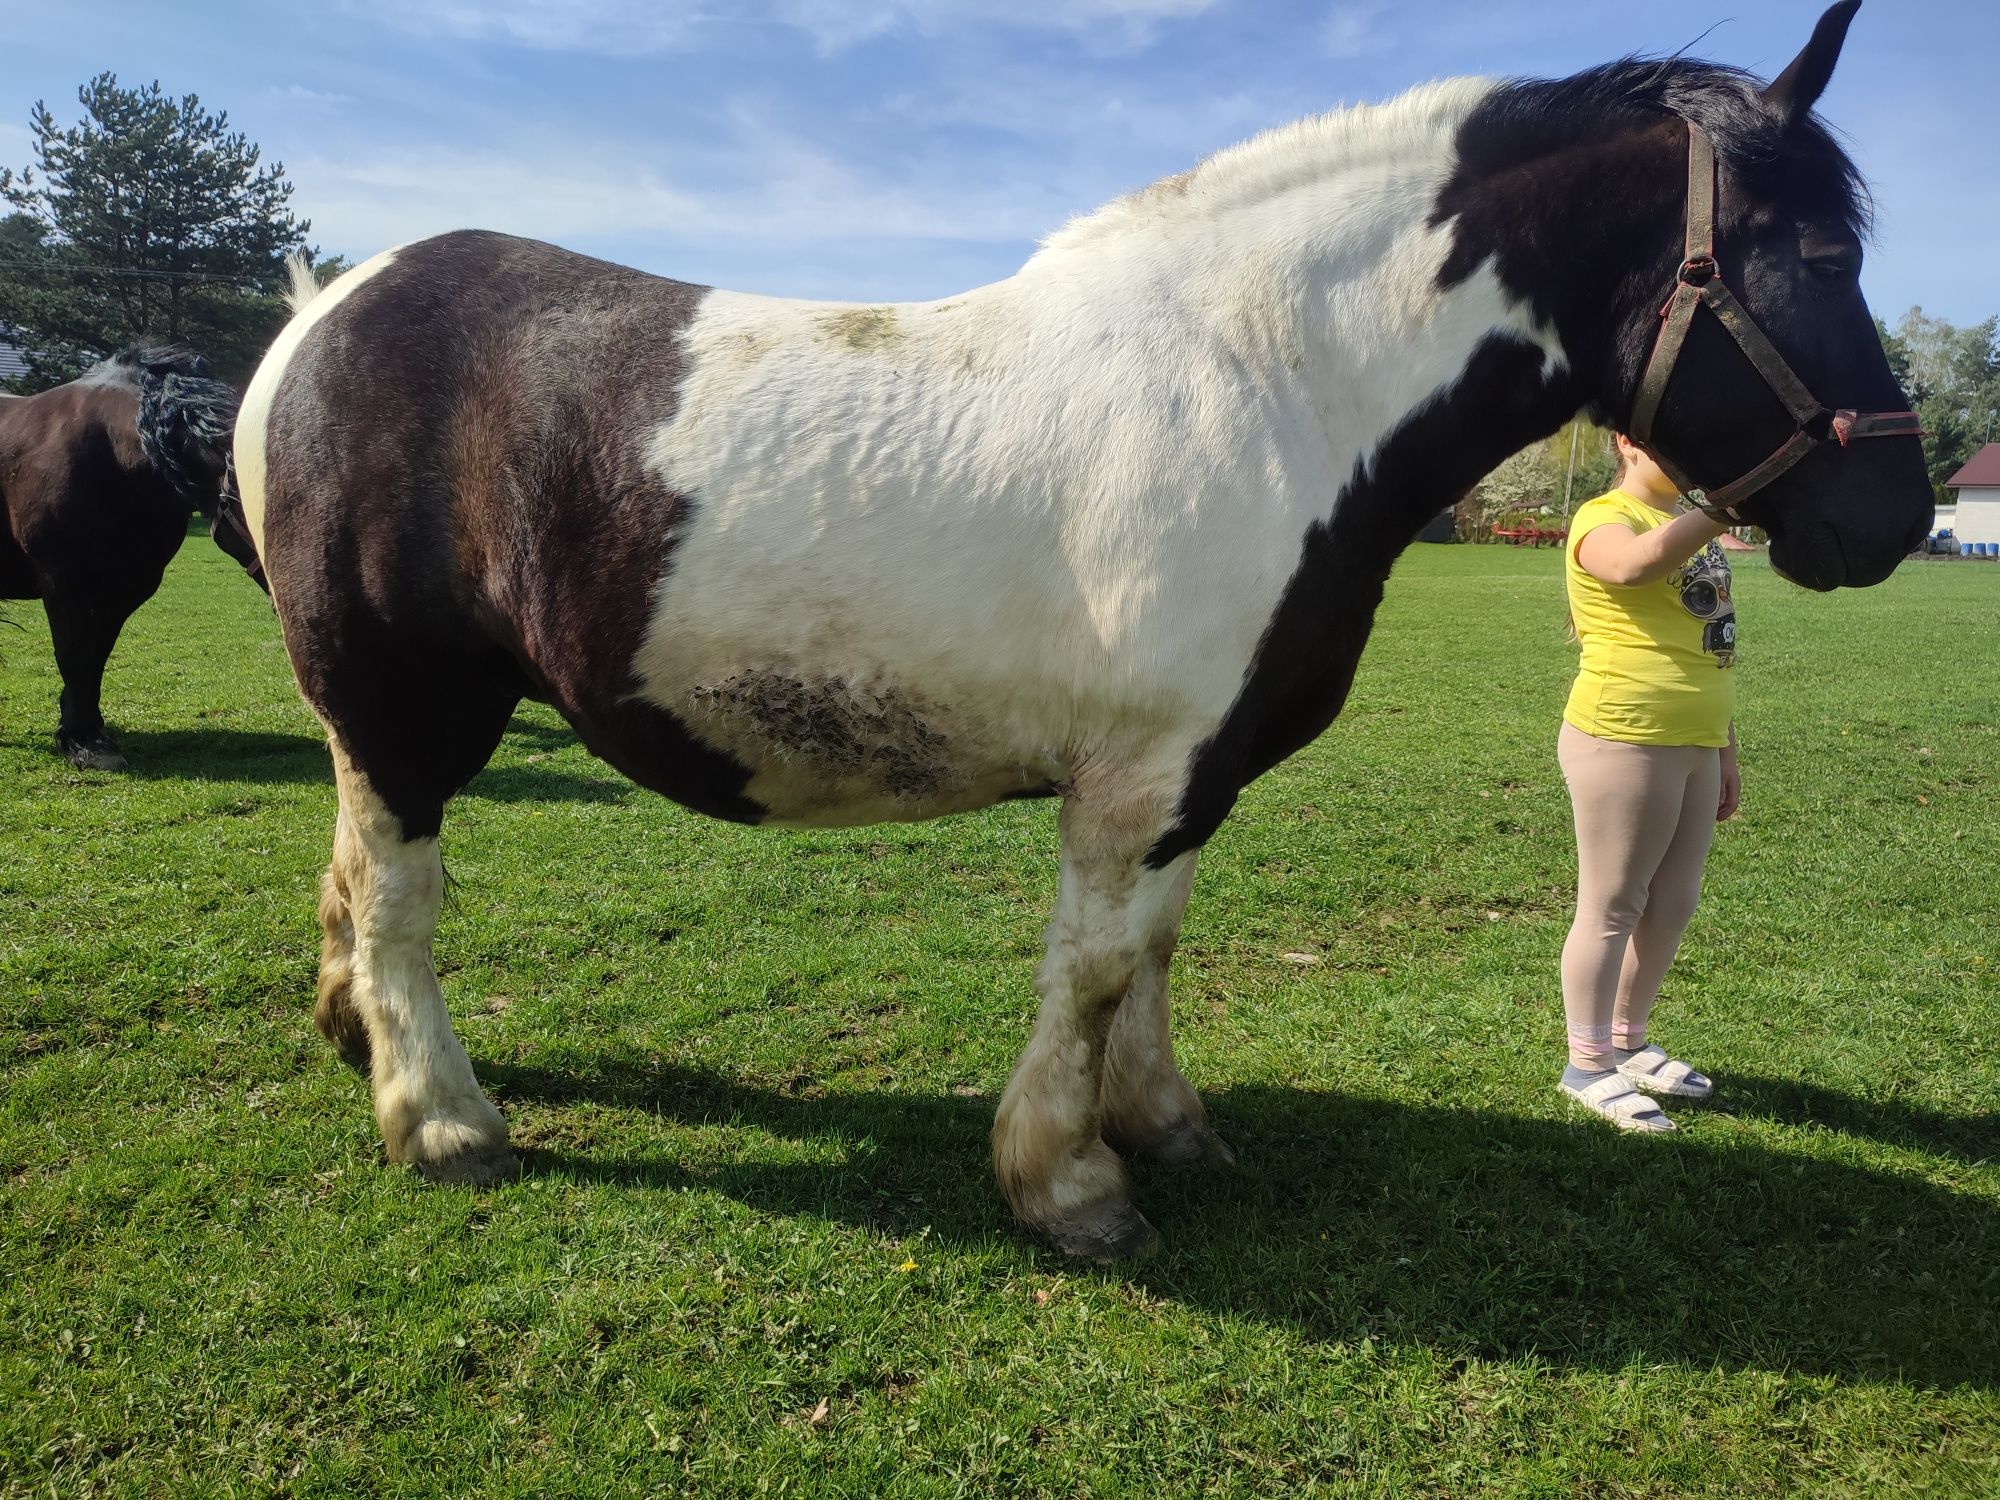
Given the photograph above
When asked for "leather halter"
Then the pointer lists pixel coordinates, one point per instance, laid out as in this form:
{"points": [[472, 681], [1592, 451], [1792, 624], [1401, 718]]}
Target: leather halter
{"points": [[229, 510], [1700, 284]]}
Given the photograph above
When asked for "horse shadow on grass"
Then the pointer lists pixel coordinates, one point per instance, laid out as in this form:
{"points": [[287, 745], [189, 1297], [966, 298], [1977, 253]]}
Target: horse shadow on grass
{"points": [[1473, 1233], [218, 754], [262, 758]]}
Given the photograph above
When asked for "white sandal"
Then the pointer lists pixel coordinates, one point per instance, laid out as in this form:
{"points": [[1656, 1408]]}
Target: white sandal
{"points": [[1624, 1106], [1652, 1070]]}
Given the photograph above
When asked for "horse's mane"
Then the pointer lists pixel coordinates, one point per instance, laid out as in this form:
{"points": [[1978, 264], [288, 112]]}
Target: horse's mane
{"points": [[1286, 156], [1500, 125], [182, 412], [129, 366], [1528, 118]]}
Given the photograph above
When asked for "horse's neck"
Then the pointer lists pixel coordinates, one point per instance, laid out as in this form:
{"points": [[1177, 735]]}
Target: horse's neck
{"points": [[1312, 264]]}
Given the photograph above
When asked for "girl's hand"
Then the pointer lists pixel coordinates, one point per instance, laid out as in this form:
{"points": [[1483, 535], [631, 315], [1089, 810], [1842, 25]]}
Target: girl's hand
{"points": [[1732, 787]]}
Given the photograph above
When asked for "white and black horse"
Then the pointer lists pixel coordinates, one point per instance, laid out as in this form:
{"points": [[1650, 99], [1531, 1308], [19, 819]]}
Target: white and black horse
{"points": [[97, 480], [1113, 529]]}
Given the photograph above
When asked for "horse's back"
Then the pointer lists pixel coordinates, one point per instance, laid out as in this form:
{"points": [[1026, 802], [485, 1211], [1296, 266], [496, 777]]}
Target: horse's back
{"points": [[81, 505]]}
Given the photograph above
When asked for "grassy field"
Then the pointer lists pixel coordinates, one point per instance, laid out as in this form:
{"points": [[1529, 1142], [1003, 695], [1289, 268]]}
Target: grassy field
{"points": [[758, 1250]]}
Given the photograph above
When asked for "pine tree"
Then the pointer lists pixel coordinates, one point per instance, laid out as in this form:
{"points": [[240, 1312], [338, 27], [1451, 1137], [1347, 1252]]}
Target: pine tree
{"points": [[148, 221]]}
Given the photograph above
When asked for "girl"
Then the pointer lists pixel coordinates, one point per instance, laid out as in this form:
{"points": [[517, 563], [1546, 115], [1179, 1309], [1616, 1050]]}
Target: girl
{"points": [[1648, 747]]}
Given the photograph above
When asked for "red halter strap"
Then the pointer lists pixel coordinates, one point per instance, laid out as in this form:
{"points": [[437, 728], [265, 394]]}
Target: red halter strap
{"points": [[1699, 285]]}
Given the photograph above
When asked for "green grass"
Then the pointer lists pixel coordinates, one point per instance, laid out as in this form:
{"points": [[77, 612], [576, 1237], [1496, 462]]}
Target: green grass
{"points": [[754, 1074]]}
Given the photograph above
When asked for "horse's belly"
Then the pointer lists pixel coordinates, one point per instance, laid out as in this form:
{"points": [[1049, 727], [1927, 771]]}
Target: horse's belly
{"points": [[838, 750], [17, 579]]}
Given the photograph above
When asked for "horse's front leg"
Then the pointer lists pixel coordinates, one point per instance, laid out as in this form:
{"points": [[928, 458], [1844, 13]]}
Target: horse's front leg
{"points": [[1049, 1152], [83, 630], [1149, 1109]]}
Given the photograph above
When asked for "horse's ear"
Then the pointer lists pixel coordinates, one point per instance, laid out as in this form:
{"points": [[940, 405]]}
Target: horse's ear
{"points": [[1793, 92]]}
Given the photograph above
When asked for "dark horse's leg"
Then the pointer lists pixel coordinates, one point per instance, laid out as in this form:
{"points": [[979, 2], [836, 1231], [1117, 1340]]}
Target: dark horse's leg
{"points": [[84, 628]]}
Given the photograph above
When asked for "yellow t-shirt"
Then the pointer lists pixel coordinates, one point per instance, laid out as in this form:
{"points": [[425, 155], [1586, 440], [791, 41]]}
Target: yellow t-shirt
{"points": [[1656, 659]]}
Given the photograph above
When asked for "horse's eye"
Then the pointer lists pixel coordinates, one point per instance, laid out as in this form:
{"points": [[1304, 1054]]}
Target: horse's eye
{"points": [[1842, 263]]}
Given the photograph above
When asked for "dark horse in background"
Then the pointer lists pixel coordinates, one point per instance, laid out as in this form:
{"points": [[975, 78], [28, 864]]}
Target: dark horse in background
{"points": [[1111, 530], [97, 480]]}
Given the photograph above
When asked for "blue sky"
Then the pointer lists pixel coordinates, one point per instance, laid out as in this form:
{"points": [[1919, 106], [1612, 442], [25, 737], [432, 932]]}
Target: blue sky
{"points": [[911, 148]]}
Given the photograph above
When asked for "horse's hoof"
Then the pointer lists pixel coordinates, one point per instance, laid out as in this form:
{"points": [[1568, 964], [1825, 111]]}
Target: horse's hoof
{"points": [[1117, 1231], [1192, 1143], [100, 754], [474, 1165]]}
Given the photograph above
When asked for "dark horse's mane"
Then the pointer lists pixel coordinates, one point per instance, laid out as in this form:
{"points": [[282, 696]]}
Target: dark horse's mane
{"points": [[182, 411], [1532, 117]]}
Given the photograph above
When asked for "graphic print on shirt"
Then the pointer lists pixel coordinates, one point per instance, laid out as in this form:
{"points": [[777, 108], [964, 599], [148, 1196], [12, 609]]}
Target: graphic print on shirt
{"points": [[1704, 589]]}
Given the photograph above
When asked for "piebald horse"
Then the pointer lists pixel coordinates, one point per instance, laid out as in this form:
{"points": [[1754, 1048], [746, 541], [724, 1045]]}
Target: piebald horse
{"points": [[1112, 530]]}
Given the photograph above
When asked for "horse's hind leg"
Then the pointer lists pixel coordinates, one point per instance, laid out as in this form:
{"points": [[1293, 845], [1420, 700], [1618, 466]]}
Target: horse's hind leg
{"points": [[1048, 1146], [333, 1008], [379, 1001], [83, 630], [1149, 1109]]}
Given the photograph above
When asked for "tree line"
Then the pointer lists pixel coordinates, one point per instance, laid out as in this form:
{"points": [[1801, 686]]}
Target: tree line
{"points": [[1951, 375]]}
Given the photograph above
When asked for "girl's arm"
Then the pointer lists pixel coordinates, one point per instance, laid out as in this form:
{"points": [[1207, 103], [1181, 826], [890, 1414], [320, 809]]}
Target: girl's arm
{"points": [[1616, 554], [1732, 779]]}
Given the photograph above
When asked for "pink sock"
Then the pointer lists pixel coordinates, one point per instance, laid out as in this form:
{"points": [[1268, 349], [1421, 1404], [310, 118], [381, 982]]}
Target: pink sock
{"points": [[1590, 1048]]}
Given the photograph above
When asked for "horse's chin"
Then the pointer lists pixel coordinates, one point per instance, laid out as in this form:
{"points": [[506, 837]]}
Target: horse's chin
{"points": [[1810, 557]]}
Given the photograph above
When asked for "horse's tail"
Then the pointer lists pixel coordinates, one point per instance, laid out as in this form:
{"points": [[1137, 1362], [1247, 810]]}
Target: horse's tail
{"points": [[304, 286]]}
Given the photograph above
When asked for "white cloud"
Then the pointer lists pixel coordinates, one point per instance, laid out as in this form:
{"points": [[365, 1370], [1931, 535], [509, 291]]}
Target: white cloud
{"points": [[1087, 112], [834, 24], [1350, 30], [617, 27], [298, 93], [783, 195], [624, 27]]}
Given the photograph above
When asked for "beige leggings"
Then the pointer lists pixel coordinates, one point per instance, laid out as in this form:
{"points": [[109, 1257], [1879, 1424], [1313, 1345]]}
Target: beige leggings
{"points": [[1645, 816]]}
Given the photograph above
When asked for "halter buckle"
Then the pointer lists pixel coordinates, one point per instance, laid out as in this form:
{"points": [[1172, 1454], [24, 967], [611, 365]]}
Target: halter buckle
{"points": [[1698, 498], [1699, 270]]}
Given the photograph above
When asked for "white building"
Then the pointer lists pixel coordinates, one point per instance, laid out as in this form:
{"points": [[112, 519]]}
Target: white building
{"points": [[1977, 517]]}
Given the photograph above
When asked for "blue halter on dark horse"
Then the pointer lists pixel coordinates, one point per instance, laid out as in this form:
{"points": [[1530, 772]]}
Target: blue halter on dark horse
{"points": [[1112, 530], [97, 480]]}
